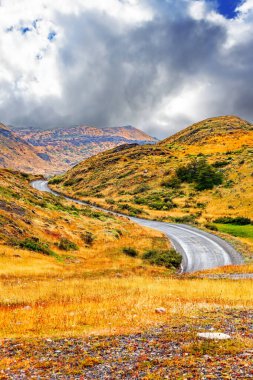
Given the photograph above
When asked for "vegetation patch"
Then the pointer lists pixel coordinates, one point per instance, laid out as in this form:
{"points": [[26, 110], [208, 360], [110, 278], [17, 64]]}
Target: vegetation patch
{"points": [[156, 201], [55, 180], [33, 244], [88, 238], [169, 259], [130, 251], [239, 221], [238, 231], [67, 245], [199, 172]]}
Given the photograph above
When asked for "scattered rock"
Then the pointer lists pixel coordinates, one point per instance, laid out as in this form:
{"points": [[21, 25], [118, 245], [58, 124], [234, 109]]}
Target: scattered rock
{"points": [[160, 310], [214, 335], [27, 308]]}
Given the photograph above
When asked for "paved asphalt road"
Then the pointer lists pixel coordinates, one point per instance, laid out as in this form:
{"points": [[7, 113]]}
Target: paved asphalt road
{"points": [[200, 250]]}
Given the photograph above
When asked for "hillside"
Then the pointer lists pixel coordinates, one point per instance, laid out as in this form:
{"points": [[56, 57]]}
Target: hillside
{"points": [[78, 293], [143, 180], [17, 154], [217, 134], [58, 232], [66, 147]]}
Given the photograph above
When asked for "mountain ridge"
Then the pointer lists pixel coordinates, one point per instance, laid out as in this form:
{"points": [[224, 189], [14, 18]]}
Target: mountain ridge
{"points": [[54, 151]]}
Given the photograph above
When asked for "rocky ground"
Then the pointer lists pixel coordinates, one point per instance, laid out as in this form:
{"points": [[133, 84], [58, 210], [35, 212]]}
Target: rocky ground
{"points": [[165, 352]]}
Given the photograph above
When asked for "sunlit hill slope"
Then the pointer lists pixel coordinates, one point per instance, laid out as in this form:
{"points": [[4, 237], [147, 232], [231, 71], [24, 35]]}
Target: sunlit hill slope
{"points": [[146, 180]]}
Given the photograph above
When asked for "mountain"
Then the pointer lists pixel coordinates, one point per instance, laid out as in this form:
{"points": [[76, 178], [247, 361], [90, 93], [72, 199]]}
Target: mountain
{"points": [[17, 154], [66, 147], [197, 175]]}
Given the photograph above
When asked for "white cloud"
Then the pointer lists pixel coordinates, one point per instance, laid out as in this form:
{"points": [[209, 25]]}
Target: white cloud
{"points": [[158, 65]]}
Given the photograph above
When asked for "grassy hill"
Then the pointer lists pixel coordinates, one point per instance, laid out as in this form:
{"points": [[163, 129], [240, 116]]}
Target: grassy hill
{"points": [[146, 180]]}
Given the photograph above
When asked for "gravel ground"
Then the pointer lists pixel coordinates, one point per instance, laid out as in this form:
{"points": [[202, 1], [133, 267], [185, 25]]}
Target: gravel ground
{"points": [[165, 352]]}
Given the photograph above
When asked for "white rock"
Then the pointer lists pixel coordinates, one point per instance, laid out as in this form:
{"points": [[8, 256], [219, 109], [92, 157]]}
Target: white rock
{"points": [[160, 310], [214, 335], [27, 308]]}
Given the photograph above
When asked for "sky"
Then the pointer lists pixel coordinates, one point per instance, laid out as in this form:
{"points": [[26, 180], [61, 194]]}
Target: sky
{"points": [[159, 65]]}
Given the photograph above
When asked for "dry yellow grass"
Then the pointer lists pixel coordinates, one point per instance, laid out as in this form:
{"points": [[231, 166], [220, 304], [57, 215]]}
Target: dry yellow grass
{"points": [[108, 305], [96, 289]]}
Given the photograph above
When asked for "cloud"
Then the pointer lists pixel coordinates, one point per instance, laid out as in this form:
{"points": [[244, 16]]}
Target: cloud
{"points": [[156, 65]]}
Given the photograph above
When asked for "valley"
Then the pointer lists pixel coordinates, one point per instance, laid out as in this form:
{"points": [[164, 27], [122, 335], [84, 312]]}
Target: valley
{"points": [[86, 293]]}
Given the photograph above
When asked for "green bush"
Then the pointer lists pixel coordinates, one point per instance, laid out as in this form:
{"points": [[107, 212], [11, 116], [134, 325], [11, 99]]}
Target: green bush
{"points": [[221, 164], [130, 251], [168, 259], [198, 171], [67, 245], [110, 201], [173, 183], [55, 180], [33, 244], [132, 210], [72, 181], [239, 220], [185, 219]]}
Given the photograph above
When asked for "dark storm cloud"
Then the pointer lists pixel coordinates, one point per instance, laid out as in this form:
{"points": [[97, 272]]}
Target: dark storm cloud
{"points": [[115, 75], [122, 77]]}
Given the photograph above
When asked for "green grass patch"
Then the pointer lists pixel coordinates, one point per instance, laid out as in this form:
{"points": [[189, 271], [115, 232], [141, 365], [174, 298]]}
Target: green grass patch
{"points": [[240, 231]]}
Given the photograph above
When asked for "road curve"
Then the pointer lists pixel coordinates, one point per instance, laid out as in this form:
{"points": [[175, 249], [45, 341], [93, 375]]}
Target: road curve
{"points": [[200, 250]]}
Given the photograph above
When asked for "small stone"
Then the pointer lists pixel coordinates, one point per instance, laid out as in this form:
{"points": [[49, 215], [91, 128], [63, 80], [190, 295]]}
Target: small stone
{"points": [[160, 310], [27, 308], [214, 335]]}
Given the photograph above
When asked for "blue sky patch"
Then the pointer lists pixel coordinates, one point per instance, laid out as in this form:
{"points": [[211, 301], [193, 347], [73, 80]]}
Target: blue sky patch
{"points": [[227, 7], [51, 36], [25, 30]]}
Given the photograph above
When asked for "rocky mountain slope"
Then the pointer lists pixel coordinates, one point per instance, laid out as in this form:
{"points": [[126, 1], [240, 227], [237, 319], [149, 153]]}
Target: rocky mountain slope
{"points": [[66, 147], [197, 175], [18, 154]]}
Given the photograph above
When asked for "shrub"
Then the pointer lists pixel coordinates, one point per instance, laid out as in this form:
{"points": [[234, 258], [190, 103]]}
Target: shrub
{"points": [[168, 259], [67, 245], [141, 189], [88, 238], [55, 180], [198, 171], [132, 210], [130, 251], [110, 201], [185, 219], [72, 181], [240, 221], [33, 244], [173, 183], [221, 164]]}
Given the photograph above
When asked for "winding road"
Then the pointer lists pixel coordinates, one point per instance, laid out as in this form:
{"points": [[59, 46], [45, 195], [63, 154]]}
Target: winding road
{"points": [[200, 250]]}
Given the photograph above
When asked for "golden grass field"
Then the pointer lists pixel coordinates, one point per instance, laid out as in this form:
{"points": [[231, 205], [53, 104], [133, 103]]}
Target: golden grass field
{"points": [[96, 289], [49, 301]]}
